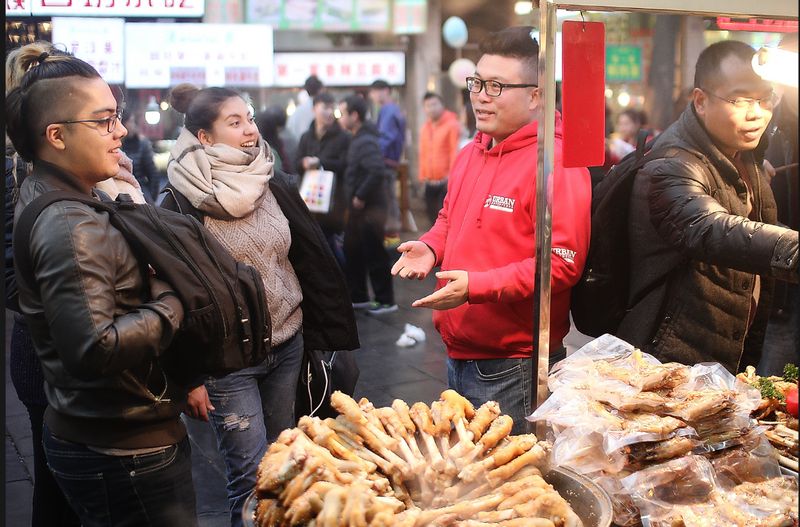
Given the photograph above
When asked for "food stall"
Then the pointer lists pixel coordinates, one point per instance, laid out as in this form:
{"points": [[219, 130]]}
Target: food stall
{"points": [[630, 440]]}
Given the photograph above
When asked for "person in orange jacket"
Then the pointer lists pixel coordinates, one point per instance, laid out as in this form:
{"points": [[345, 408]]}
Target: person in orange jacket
{"points": [[438, 145]]}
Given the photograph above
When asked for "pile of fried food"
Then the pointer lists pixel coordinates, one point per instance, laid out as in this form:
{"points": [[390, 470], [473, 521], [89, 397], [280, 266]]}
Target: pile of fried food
{"points": [[449, 464], [617, 412], [782, 427]]}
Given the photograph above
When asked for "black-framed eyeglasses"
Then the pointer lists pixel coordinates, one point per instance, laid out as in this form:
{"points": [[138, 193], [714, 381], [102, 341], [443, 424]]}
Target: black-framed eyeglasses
{"points": [[493, 88], [747, 103], [110, 121]]}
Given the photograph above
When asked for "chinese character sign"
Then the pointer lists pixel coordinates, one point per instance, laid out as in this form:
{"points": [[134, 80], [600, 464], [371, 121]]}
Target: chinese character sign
{"points": [[164, 55], [321, 15], [623, 63], [18, 7], [98, 41], [340, 69], [123, 8]]}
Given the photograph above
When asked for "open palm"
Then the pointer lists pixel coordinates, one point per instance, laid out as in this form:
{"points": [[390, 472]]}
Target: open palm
{"points": [[416, 261]]}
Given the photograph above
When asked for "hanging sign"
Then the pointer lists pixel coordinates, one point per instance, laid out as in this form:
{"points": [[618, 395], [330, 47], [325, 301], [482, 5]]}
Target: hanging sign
{"points": [[340, 69], [583, 93], [98, 41], [163, 55], [623, 64], [117, 8]]}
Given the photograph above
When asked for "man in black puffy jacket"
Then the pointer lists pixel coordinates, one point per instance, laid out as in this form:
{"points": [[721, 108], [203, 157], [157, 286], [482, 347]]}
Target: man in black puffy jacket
{"points": [[703, 241]]}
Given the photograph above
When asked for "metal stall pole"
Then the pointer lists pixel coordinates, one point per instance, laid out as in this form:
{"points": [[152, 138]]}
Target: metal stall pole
{"points": [[544, 193]]}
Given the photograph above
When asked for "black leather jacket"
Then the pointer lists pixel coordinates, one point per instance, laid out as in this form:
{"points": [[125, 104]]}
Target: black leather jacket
{"points": [[95, 329], [689, 224]]}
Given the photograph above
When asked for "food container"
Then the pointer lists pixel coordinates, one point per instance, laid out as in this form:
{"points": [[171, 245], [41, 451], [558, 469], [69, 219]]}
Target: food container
{"points": [[587, 499]]}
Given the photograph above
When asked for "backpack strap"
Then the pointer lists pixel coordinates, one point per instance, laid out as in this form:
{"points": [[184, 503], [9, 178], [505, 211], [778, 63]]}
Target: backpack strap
{"points": [[26, 220]]}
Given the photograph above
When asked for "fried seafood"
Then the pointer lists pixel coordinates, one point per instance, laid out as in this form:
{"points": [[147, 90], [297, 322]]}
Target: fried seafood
{"points": [[444, 465]]}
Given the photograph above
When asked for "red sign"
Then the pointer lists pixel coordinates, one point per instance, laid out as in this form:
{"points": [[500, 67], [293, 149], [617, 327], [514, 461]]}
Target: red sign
{"points": [[757, 24]]}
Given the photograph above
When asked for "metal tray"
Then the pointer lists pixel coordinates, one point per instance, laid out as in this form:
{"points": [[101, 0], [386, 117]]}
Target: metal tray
{"points": [[587, 499]]}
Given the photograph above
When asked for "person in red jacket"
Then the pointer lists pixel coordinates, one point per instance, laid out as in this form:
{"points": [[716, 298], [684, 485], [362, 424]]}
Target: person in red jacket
{"points": [[484, 238], [438, 145]]}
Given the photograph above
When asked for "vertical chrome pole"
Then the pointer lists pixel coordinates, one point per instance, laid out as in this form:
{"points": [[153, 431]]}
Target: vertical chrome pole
{"points": [[544, 193]]}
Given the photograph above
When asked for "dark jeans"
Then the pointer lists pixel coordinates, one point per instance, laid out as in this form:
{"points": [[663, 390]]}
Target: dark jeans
{"points": [[142, 490], [510, 382], [50, 507], [366, 256], [434, 198]]}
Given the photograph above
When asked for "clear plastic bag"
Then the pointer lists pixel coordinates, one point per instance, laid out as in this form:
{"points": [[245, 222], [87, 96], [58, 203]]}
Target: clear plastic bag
{"points": [[582, 450], [751, 461]]}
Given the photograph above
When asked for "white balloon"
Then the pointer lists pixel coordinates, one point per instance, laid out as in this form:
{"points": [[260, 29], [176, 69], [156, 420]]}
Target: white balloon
{"points": [[459, 70], [454, 32]]}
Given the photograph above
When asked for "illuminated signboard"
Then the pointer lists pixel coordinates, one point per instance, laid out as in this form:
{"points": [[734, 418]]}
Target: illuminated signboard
{"points": [[340, 69], [107, 8], [757, 24], [321, 15], [98, 41], [163, 55]]}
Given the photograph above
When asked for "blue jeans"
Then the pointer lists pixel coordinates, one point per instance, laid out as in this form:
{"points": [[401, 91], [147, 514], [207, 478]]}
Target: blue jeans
{"points": [[148, 489], [507, 381], [252, 407]]}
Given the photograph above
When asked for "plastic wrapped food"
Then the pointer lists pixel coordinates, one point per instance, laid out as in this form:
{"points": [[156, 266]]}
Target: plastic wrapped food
{"points": [[686, 492]]}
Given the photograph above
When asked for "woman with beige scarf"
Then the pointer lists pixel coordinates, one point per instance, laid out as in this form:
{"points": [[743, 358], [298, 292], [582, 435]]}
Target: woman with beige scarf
{"points": [[221, 172]]}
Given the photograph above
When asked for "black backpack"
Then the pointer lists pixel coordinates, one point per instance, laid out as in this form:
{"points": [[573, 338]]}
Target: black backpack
{"points": [[226, 325], [599, 301]]}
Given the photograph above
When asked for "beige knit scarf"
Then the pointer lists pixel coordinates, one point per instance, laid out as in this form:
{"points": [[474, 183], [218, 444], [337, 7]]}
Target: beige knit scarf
{"points": [[220, 180]]}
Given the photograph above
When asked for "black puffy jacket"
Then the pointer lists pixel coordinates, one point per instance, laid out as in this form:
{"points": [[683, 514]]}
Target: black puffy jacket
{"points": [[689, 223]]}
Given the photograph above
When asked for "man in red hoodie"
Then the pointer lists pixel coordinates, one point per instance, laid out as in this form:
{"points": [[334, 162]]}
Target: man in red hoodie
{"points": [[484, 238], [438, 146]]}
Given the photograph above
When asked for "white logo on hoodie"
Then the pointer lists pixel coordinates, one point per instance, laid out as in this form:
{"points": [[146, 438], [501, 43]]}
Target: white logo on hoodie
{"points": [[499, 203]]}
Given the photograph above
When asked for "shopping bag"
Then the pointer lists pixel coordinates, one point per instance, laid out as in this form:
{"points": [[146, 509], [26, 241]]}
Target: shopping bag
{"points": [[316, 189]]}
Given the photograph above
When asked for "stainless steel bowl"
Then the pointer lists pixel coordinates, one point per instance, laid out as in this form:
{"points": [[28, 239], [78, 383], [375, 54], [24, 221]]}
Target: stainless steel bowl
{"points": [[587, 499]]}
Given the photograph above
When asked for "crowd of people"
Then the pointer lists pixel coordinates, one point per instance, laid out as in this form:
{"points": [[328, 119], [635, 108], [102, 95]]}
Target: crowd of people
{"points": [[707, 244]]}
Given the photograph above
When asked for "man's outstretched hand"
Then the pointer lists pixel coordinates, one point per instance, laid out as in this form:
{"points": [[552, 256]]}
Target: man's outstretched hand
{"points": [[453, 294], [416, 260]]}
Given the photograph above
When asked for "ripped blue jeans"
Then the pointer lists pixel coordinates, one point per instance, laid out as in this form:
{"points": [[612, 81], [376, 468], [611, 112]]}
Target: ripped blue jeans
{"points": [[252, 407]]}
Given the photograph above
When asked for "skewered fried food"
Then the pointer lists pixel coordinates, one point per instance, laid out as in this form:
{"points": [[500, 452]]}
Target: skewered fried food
{"points": [[361, 470]]}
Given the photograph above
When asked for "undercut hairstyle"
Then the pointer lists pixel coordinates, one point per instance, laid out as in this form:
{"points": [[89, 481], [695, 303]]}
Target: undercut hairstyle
{"points": [[324, 98], [518, 43], [48, 87], [432, 95], [356, 104], [707, 74], [201, 107], [313, 85]]}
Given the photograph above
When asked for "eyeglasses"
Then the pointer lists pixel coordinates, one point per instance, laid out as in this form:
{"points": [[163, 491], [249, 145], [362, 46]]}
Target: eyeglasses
{"points": [[110, 121], [493, 88], [747, 103]]}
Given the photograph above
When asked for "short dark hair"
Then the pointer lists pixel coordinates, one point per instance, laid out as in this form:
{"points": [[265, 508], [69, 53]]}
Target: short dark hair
{"points": [[707, 70], [379, 84], [313, 85], [51, 79], [356, 103], [324, 98], [432, 95], [515, 42]]}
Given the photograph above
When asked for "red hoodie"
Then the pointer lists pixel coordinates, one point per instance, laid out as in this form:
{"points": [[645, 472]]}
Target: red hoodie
{"points": [[486, 227]]}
